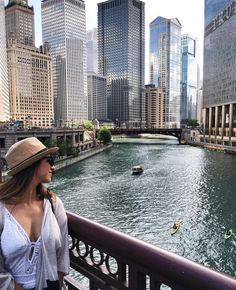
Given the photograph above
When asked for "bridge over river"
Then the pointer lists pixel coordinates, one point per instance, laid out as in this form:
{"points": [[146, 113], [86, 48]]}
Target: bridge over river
{"points": [[176, 132]]}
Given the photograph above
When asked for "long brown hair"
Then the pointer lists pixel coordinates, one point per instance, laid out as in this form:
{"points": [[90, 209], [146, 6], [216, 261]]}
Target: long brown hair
{"points": [[13, 189]]}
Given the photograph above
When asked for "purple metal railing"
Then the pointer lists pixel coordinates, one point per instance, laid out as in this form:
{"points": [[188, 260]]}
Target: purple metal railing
{"points": [[113, 260]]}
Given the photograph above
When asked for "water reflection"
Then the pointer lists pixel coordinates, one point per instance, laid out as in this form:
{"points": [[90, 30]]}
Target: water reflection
{"points": [[179, 183]]}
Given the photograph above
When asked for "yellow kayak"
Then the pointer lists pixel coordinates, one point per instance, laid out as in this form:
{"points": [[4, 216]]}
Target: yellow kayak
{"points": [[229, 233], [174, 228]]}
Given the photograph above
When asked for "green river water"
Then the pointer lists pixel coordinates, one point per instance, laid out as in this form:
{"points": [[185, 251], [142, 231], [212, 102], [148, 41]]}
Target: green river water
{"points": [[179, 183]]}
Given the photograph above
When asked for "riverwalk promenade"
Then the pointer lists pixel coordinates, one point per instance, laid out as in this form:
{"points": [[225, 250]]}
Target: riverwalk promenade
{"points": [[67, 161], [214, 147]]}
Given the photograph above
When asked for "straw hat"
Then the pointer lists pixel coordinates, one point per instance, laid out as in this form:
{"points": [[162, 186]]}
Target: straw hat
{"points": [[26, 152]]}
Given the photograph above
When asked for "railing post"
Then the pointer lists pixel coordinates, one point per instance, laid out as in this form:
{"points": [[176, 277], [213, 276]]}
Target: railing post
{"points": [[154, 285], [92, 286], [121, 272], [72, 284], [137, 280]]}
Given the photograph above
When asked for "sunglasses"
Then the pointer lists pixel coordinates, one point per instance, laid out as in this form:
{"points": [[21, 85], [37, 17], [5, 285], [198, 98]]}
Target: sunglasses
{"points": [[50, 160]]}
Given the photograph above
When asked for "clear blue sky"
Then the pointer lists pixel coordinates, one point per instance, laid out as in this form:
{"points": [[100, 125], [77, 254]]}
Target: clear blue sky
{"points": [[189, 12]]}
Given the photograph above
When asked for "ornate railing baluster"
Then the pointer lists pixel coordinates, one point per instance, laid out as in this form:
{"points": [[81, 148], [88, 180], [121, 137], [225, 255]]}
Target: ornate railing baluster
{"points": [[154, 284], [121, 271], [137, 280], [111, 260]]}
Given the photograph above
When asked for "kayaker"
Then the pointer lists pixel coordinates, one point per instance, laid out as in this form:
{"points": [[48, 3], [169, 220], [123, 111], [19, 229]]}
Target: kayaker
{"points": [[175, 226], [229, 232]]}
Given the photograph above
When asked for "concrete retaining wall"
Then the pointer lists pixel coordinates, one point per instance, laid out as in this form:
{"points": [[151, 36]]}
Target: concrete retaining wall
{"points": [[214, 147], [83, 155]]}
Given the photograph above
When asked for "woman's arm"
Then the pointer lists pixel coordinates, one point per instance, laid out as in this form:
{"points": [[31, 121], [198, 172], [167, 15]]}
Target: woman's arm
{"points": [[61, 278]]}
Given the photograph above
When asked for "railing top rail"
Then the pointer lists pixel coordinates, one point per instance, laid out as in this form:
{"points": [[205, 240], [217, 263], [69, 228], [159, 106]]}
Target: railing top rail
{"points": [[155, 260]]}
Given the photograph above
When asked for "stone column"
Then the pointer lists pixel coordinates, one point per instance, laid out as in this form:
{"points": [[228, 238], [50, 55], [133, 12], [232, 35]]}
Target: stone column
{"points": [[230, 123], [210, 126], [216, 123], [53, 138], [73, 139], [204, 123], [82, 137], [10, 139], [223, 122]]}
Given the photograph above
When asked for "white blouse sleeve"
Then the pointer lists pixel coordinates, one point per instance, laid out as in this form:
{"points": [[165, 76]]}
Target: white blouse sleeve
{"points": [[63, 260]]}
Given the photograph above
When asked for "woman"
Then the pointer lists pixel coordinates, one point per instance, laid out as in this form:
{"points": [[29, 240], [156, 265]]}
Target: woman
{"points": [[33, 223]]}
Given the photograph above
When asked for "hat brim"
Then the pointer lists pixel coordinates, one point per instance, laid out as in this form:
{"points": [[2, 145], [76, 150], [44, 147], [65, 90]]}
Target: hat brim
{"points": [[32, 160]]}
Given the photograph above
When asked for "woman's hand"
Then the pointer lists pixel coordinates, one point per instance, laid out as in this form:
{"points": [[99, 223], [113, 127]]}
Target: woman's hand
{"points": [[18, 287]]}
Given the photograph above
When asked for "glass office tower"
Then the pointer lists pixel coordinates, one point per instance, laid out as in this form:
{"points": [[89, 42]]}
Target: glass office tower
{"points": [[165, 66], [219, 75], [64, 27], [121, 30], [97, 97], [189, 79], [4, 93], [92, 51]]}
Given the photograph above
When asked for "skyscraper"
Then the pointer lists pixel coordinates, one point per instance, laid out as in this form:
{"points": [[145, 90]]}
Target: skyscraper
{"points": [[189, 79], [154, 106], [121, 33], [4, 94], [213, 7], [97, 97], [165, 66], [20, 20], [92, 51], [219, 72], [29, 69], [64, 27]]}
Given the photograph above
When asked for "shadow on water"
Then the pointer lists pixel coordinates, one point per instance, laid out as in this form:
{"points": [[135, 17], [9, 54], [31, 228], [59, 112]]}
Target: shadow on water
{"points": [[179, 183]]}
